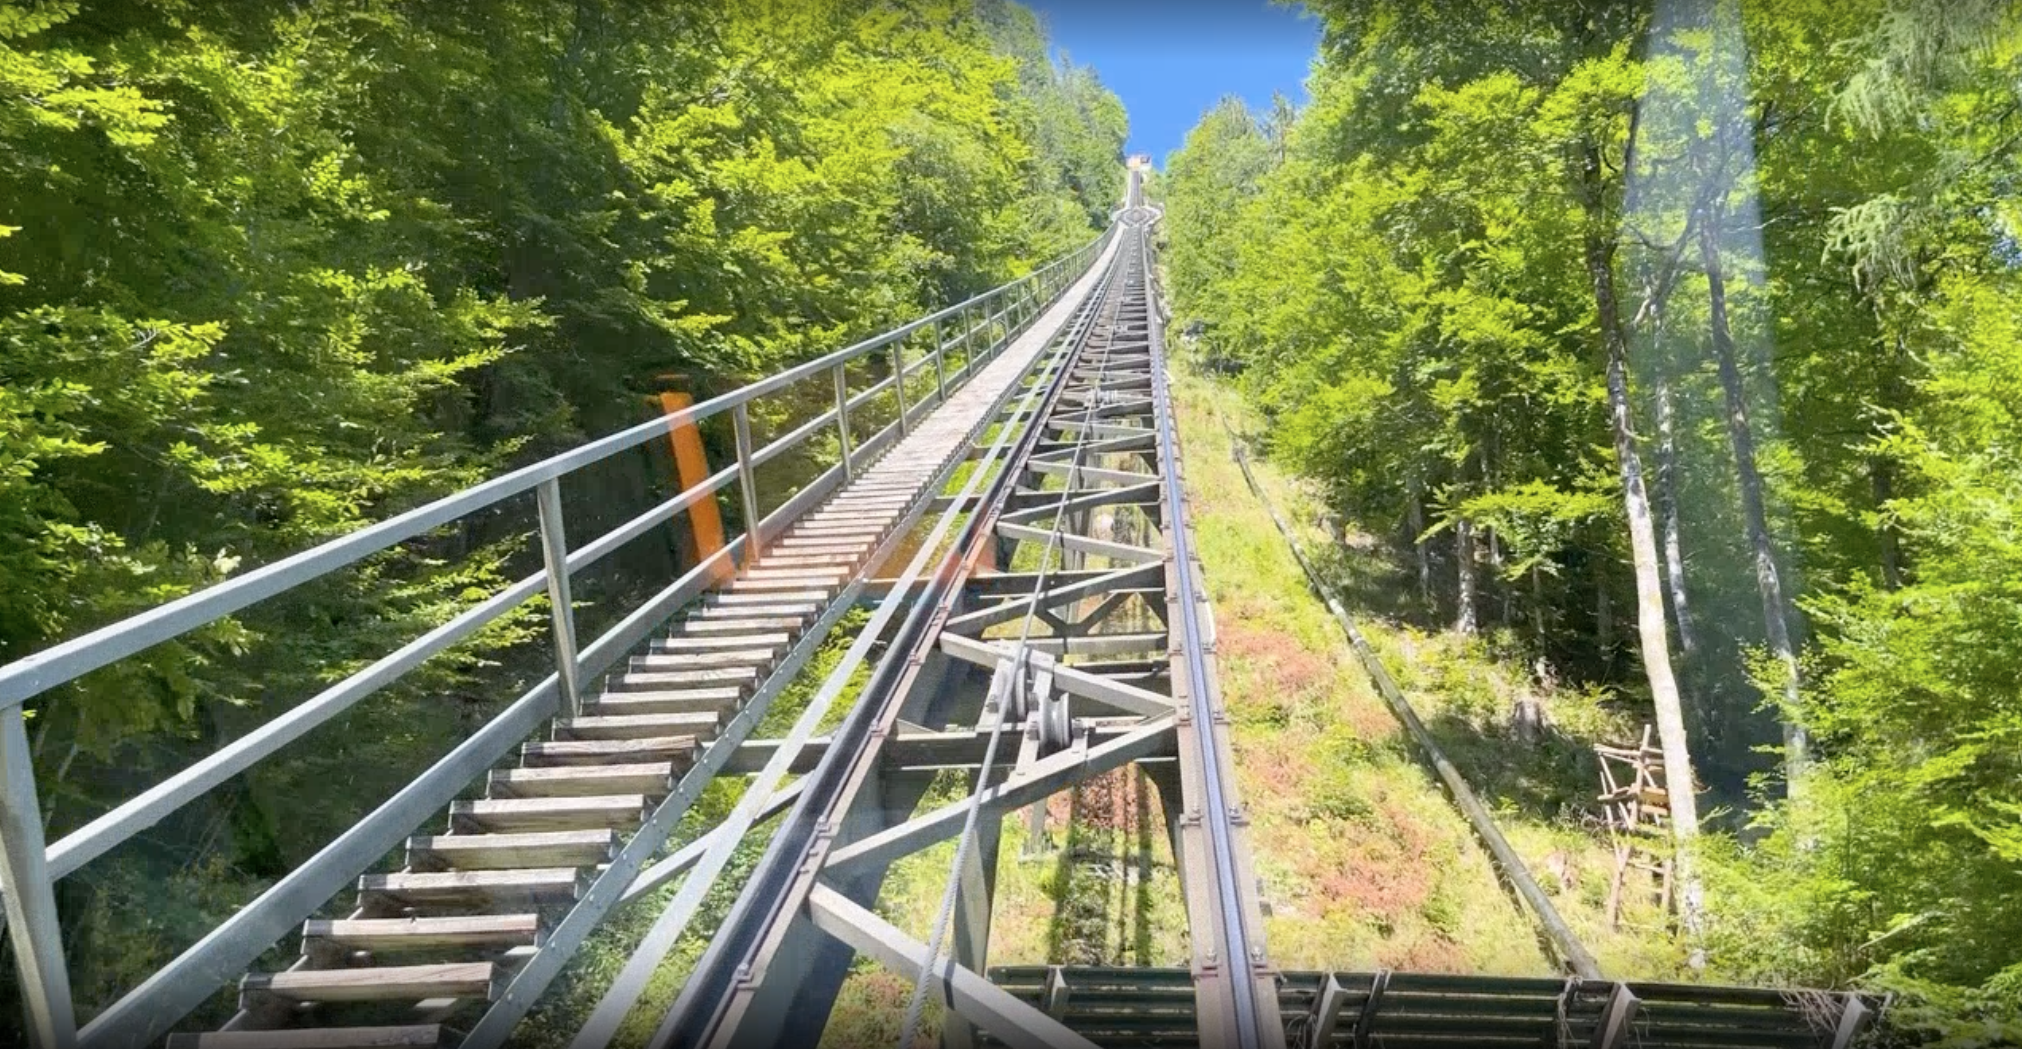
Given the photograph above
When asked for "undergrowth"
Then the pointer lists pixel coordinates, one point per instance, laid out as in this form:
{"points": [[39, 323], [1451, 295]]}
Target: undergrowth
{"points": [[1365, 862]]}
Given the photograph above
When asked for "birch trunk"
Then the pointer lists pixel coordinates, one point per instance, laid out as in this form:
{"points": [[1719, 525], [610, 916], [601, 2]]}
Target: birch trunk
{"points": [[1667, 497], [1654, 641], [1775, 612]]}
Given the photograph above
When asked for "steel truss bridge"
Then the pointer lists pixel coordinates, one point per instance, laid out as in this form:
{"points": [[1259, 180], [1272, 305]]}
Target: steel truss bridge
{"points": [[1016, 526]]}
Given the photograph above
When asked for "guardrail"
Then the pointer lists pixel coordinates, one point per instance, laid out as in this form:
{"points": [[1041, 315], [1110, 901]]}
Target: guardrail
{"points": [[976, 330]]}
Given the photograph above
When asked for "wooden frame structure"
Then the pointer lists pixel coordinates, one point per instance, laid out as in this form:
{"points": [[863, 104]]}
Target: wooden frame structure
{"points": [[1636, 805]]}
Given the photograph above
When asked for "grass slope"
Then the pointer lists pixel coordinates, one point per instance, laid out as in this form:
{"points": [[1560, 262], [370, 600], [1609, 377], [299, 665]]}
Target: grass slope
{"points": [[1364, 860]]}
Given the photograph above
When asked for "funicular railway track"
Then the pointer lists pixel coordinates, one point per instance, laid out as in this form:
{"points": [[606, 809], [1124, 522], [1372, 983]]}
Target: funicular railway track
{"points": [[1051, 625], [1054, 661]]}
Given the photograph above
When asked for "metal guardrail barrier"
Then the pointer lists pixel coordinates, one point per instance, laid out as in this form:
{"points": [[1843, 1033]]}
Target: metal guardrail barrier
{"points": [[977, 329], [1118, 1006]]}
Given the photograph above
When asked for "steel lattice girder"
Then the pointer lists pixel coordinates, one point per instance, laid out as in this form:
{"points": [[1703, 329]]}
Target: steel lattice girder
{"points": [[1112, 458]]}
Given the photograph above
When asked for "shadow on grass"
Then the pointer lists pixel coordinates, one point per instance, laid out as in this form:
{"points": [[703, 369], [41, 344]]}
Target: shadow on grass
{"points": [[1376, 580], [1550, 777], [1101, 886]]}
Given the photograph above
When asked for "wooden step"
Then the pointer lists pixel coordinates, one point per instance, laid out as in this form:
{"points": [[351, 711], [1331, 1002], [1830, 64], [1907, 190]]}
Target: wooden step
{"points": [[377, 983], [804, 559], [765, 595], [769, 589], [394, 935], [862, 538], [660, 663], [798, 577], [473, 852], [730, 613], [520, 886], [770, 642], [653, 779], [669, 701], [832, 518], [872, 488], [841, 526], [759, 657], [419, 1036], [505, 815], [636, 726], [896, 490], [741, 677], [537, 754], [854, 507], [701, 626]]}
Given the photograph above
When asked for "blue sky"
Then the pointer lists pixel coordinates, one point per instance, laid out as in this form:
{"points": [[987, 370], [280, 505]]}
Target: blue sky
{"points": [[1170, 61]]}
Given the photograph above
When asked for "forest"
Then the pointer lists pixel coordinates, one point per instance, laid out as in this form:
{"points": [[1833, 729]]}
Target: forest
{"points": [[1673, 351], [271, 272]]}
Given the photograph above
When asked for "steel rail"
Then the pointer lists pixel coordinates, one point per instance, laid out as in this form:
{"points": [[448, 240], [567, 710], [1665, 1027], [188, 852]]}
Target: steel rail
{"points": [[768, 900], [1013, 682], [1238, 952]]}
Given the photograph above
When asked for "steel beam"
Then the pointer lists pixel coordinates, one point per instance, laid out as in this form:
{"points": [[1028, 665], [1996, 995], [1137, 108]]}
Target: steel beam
{"points": [[1046, 777], [975, 998]]}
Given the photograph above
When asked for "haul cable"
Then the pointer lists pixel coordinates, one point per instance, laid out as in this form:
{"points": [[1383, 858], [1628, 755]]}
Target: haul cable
{"points": [[1002, 692]]}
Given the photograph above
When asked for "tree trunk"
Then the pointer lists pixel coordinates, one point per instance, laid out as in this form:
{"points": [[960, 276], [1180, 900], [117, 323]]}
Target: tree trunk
{"points": [[1775, 613], [1538, 610], [1604, 622], [1414, 519], [1882, 475], [1882, 472], [1654, 642], [1502, 587], [1667, 500], [1463, 555]]}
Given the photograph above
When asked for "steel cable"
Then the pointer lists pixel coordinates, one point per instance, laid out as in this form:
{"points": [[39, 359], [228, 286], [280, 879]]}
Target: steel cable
{"points": [[916, 1004]]}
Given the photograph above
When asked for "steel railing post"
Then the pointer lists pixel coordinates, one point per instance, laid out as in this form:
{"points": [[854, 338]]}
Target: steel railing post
{"points": [[899, 381], [842, 423], [555, 552], [31, 899], [747, 481], [968, 346], [940, 367]]}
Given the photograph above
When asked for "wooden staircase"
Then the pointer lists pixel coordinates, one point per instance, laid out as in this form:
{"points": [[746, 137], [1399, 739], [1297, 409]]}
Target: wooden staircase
{"points": [[424, 946]]}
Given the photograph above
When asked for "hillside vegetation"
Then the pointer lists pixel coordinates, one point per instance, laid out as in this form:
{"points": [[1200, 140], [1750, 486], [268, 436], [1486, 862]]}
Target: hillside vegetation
{"points": [[1673, 355], [269, 272]]}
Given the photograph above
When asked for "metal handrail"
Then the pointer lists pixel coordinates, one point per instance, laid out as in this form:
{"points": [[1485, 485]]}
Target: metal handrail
{"points": [[29, 867], [60, 664]]}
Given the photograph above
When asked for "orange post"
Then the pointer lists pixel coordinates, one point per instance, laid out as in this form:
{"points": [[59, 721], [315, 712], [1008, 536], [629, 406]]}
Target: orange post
{"points": [[691, 467]]}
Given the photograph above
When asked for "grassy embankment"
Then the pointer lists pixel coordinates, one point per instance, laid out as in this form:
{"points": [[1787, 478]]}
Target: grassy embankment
{"points": [[1364, 860]]}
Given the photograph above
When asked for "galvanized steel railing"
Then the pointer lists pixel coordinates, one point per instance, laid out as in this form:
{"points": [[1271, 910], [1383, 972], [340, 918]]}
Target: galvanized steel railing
{"points": [[29, 865]]}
